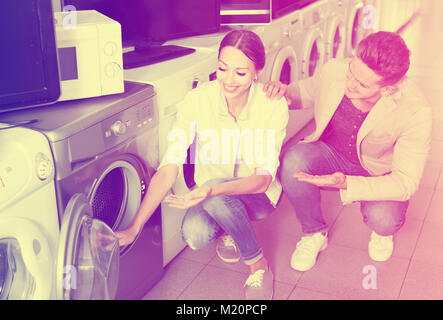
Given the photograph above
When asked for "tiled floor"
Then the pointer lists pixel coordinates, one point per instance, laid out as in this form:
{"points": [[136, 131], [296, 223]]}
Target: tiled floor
{"points": [[415, 270]]}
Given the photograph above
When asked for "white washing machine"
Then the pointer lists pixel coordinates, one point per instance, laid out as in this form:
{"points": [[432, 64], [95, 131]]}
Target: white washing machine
{"points": [[355, 25], [309, 44], [172, 79], [104, 151], [282, 63], [335, 30], [281, 58], [29, 226], [35, 255]]}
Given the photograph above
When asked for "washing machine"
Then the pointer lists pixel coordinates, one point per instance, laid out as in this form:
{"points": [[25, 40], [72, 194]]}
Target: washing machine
{"points": [[356, 28], [29, 225], [172, 79], [294, 49], [104, 151], [335, 30], [309, 44], [36, 255]]}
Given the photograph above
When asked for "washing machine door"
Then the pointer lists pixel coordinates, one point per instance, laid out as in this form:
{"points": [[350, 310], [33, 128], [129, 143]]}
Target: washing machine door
{"points": [[88, 255], [285, 68], [313, 53], [356, 31], [335, 43], [26, 261]]}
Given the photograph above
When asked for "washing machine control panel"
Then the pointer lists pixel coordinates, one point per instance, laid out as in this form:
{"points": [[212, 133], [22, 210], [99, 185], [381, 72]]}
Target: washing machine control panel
{"points": [[130, 122]]}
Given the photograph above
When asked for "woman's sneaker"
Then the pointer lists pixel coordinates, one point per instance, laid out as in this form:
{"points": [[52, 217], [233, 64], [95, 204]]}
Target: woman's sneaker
{"points": [[260, 285], [380, 247], [226, 249], [307, 250]]}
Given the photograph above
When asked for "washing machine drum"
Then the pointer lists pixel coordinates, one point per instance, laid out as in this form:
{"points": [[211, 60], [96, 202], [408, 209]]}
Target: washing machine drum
{"points": [[117, 193], [109, 197]]}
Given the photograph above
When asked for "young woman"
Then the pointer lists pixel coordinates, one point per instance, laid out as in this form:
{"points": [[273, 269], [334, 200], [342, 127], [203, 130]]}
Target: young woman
{"points": [[239, 133]]}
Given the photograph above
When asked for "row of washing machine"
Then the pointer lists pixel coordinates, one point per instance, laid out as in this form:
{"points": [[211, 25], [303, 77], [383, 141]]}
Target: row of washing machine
{"points": [[71, 174]]}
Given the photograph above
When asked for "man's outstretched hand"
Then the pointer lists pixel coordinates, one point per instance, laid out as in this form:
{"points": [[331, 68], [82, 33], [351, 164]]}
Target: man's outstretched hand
{"points": [[335, 180]]}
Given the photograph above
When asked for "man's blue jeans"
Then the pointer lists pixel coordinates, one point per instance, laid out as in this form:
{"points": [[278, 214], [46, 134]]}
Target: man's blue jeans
{"points": [[318, 158], [206, 221]]}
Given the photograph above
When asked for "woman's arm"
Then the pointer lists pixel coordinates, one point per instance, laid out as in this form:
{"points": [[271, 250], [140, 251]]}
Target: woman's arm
{"points": [[161, 182], [256, 183]]}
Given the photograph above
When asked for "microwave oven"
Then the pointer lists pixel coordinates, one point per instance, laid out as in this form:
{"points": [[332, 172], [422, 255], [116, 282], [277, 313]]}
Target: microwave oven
{"points": [[239, 12], [89, 46]]}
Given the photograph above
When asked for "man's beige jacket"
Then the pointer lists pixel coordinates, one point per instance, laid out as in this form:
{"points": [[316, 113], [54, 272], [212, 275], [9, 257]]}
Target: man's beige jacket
{"points": [[392, 143]]}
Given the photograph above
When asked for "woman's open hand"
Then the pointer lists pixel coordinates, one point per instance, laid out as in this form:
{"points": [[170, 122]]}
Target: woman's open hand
{"points": [[190, 199]]}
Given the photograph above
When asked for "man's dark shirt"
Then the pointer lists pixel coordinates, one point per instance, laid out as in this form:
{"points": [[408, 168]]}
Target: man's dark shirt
{"points": [[341, 132]]}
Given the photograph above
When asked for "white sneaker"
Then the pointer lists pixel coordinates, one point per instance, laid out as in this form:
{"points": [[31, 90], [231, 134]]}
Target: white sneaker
{"points": [[380, 247], [307, 250], [260, 285]]}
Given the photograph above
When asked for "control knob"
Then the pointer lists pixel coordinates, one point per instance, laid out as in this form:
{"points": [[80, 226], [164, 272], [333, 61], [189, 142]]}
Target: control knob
{"points": [[119, 128]]}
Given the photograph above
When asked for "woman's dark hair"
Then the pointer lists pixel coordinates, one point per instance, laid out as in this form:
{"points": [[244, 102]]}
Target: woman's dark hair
{"points": [[247, 42]]}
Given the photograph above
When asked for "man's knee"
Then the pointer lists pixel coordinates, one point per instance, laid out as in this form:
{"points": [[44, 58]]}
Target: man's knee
{"points": [[298, 158], [384, 217]]}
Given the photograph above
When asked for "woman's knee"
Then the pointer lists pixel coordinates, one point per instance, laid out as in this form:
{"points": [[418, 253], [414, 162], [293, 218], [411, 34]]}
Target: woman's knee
{"points": [[198, 230], [222, 206]]}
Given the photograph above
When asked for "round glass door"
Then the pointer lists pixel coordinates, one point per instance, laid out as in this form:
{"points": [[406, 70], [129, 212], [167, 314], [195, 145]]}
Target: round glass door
{"points": [[16, 283], [356, 30], [314, 58], [337, 42], [25, 261], [285, 67], [88, 255]]}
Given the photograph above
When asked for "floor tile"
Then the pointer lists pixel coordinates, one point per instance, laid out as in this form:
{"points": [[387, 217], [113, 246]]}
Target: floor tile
{"points": [[350, 274], [439, 185], [215, 283], [435, 212], [177, 276], [277, 249], [350, 231], [436, 152], [423, 282], [419, 203], [202, 255], [306, 294], [431, 173], [430, 243]]}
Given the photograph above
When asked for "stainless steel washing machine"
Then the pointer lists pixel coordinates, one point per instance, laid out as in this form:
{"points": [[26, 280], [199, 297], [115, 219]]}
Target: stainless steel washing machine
{"points": [[105, 150]]}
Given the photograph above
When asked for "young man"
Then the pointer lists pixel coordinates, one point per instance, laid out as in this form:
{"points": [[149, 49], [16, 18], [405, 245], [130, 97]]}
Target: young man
{"points": [[371, 141]]}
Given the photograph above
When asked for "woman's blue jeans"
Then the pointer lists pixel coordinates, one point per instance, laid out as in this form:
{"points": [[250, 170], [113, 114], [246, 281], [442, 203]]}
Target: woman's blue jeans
{"points": [[206, 221], [318, 158]]}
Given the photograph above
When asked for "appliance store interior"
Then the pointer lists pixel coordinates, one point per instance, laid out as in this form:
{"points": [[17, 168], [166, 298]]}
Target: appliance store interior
{"points": [[90, 90]]}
